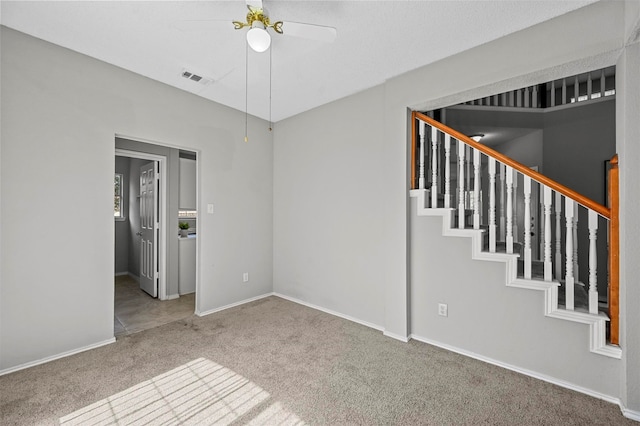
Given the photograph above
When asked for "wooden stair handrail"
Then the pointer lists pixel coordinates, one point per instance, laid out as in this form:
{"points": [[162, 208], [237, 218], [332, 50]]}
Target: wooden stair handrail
{"points": [[614, 252], [567, 192]]}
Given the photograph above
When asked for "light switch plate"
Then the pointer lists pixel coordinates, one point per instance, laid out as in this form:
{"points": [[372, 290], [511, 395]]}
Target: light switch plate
{"points": [[210, 208]]}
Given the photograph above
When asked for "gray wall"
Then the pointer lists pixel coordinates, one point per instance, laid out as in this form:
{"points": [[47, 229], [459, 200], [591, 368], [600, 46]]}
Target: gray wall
{"points": [[527, 149], [63, 126], [577, 141], [122, 226], [328, 244]]}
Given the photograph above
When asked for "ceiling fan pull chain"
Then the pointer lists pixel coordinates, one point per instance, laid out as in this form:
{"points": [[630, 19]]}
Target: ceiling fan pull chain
{"points": [[246, 93]]}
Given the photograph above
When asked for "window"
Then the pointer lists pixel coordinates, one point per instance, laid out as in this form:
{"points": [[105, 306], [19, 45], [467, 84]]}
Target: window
{"points": [[118, 200]]}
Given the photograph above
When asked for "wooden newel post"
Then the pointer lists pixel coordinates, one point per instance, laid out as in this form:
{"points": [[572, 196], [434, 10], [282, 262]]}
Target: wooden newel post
{"points": [[614, 251]]}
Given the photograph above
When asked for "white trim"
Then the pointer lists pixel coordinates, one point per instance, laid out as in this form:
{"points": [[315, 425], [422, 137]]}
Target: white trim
{"points": [[520, 370], [630, 414], [172, 296], [231, 305], [162, 244], [58, 356], [334, 313], [404, 339], [121, 274]]}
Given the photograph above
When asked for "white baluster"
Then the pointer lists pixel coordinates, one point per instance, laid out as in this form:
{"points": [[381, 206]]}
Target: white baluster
{"points": [[576, 89], [509, 224], [504, 99], [434, 167], [447, 171], [593, 263], [564, 91], [461, 192], [526, 97], [516, 235], [476, 189], [553, 93], [492, 205], [534, 102], [421, 170], [502, 225], [547, 233], [576, 271], [527, 227], [558, 207], [589, 86], [467, 201], [569, 278], [602, 84]]}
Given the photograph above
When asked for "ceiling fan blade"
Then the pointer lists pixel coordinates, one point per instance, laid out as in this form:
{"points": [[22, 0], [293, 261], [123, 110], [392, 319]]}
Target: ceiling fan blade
{"points": [[256, 4], [310, 31]]}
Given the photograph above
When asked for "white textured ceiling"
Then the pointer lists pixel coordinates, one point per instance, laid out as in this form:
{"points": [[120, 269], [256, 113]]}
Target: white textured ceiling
{"points": [[376, 41]]}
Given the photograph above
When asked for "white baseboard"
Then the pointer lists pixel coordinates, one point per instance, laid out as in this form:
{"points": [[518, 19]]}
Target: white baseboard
{"points": [[520, 370], [232, 305], [54, 357], [172, 296], [631, 414], [120, 274], [404, 339], [329, 311]]}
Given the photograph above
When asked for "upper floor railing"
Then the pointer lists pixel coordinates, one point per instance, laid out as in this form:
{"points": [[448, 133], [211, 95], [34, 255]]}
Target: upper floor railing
{"points": [[578, 88]]}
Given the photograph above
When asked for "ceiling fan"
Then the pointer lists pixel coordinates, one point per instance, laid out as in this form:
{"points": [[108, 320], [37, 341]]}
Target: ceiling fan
{"points": [[258, 20]]}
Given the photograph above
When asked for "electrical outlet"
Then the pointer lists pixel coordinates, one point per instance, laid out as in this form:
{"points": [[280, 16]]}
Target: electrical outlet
{"points": [[245, 277], [210, 208], [443, 309]]}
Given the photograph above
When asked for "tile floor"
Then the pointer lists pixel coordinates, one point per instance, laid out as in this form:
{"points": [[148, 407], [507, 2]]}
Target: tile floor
{"points": [[135, 310]]}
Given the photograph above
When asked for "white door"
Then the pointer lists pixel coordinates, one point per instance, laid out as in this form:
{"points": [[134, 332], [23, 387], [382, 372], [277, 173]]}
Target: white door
{"points": [[149, 228]]}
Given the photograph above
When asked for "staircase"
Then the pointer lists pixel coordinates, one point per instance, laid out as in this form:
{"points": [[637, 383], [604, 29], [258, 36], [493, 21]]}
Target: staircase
{"points": [[481, 194]]}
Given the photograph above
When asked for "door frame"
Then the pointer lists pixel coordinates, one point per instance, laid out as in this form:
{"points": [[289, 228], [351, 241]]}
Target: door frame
{"points": [[162, 235]]}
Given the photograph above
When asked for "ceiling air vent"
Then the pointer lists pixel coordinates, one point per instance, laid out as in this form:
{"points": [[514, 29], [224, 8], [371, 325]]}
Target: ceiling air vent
{"points": [[196, 78]]}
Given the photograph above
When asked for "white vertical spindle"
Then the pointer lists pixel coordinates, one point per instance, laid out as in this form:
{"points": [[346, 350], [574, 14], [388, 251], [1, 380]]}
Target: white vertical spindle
{"points": [[526, 97], [461, 150], [421, 170], [569, 278], [504, 99], [509, 224], [593, 263], [434, 167], [492, 205], [476, 189], [502, 225], [576, 273], [547, 233], [576, 89], [519, 98], [602, 84], [558, 208], [553, 93], [534, 102], [516, 235], [527, 227], [589, 86], [467, 201], [447, 171], [564, 91]]}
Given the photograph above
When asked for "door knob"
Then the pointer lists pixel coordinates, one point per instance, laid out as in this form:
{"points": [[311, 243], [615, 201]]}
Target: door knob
{"points": [[139, 234]]}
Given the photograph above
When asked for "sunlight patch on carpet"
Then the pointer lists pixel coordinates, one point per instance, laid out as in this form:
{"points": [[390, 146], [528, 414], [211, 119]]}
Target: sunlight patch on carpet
{"points": [[199, 392]]}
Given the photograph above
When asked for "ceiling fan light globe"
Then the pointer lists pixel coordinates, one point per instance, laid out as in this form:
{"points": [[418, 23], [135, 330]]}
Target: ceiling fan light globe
{"points": [[258, 39]]}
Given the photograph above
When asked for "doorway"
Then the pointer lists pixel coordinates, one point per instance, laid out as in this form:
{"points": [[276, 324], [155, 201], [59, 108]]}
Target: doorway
{"points": [[146, 270]]}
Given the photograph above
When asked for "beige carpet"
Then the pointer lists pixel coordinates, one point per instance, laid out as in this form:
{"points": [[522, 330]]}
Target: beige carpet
{"points": [[276, 362]]}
